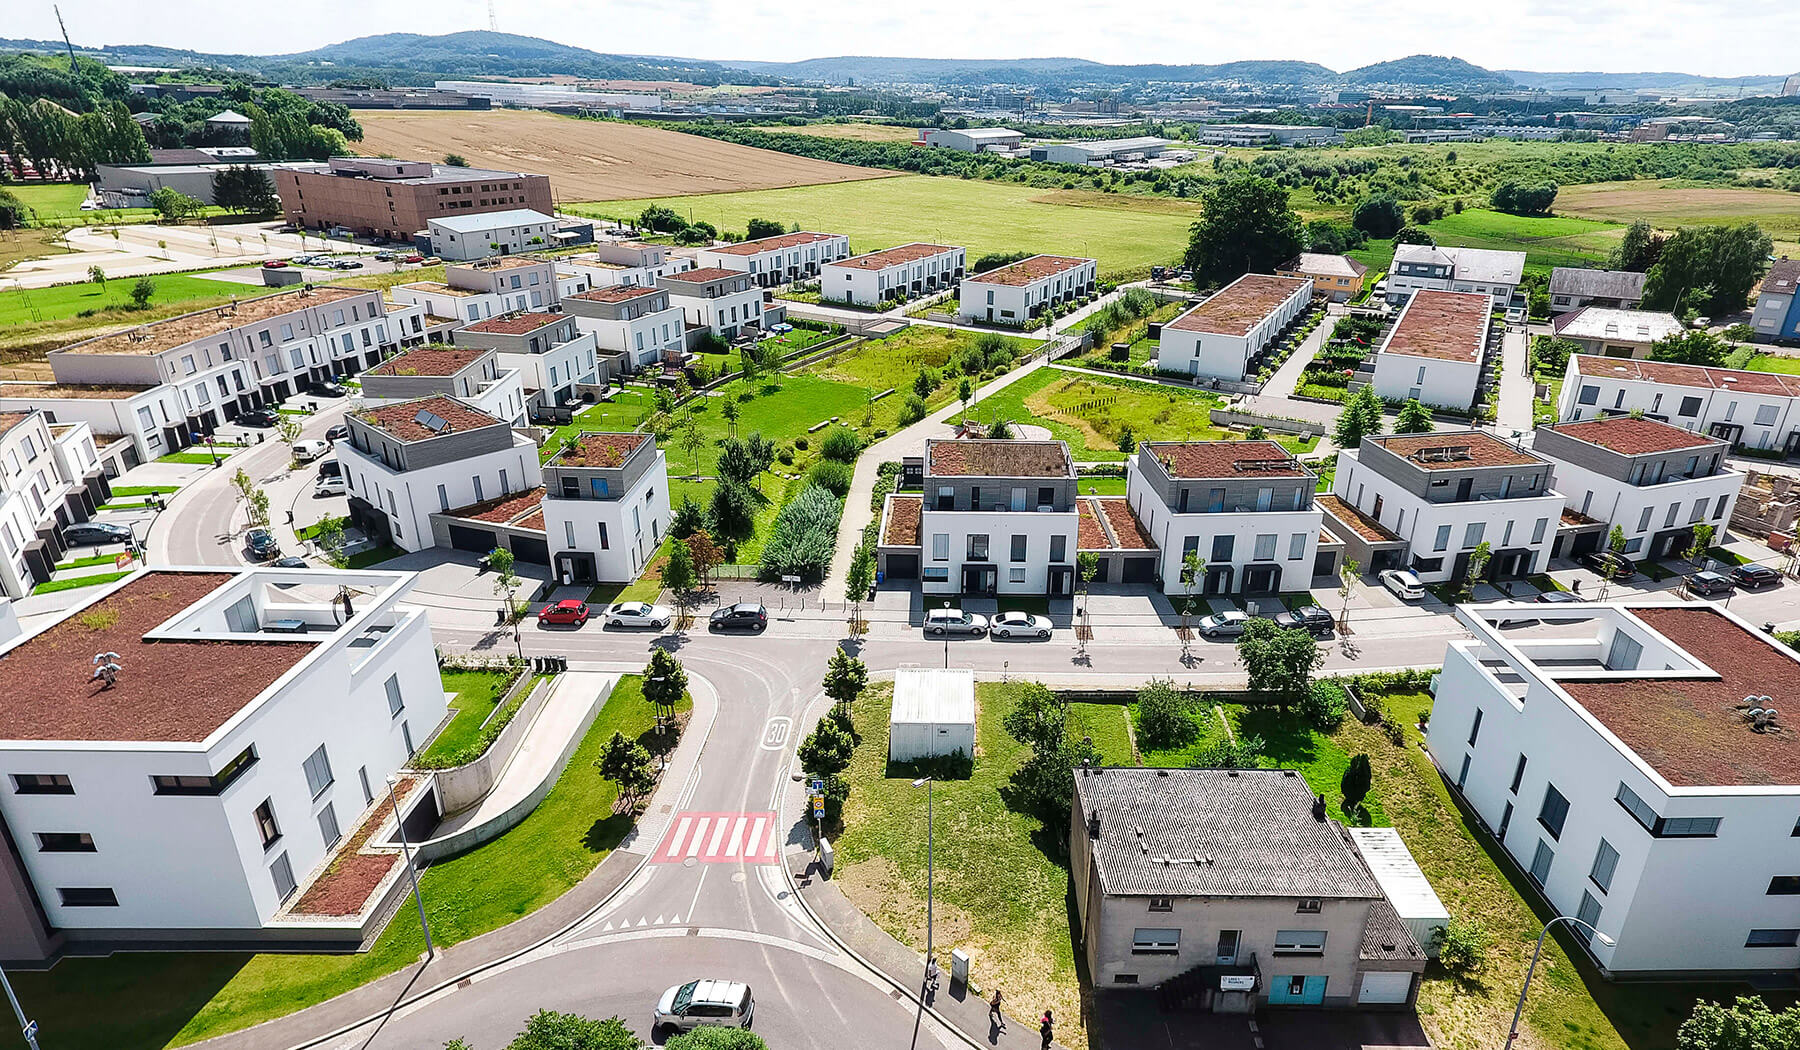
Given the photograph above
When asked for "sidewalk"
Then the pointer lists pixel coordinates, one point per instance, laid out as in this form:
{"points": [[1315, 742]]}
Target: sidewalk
{"points": [[1287, 377], [1516, 384]]}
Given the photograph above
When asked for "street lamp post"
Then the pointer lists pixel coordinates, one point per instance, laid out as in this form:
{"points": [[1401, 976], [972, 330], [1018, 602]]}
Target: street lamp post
{"points": [[26, 1028], [411, 873], [930, 841], [1513, 1032]]}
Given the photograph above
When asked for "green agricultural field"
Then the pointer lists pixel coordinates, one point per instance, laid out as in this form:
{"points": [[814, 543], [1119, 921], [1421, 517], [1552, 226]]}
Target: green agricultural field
{"points": [[1669, 203], [112, 302], [1127, 234], [1548, 240]]}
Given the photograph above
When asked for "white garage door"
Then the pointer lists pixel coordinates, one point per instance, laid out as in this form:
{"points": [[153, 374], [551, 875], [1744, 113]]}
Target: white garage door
{"points": [[1383, 987]]}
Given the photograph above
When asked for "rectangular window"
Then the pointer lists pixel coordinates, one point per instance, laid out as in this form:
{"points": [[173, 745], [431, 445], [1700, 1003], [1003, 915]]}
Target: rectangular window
{"points": [[65, 842], [1018, 548], [1554, 812], [1016, 575], [1442, 541], [1690, 406], [1540, 862], [362, 774], [1606, 862], [1309, 906], [1643, 519], [1299, 942], [1472, 534], [395, 703], [1589, 912], [1475, 728], [604, 543], [165, 784], [1462, 775], [1784, 886], [1757, 938], [265, 823], [42, 784], [87, 897], [1505, 822], [1297, 546], [328, 826], [978, 547], [443, 498], [318, 771], [1765, 415], [1059, 548], [1162, 904], [1222, 547], [1265, 547], [1589, 395], [1155, 942], [283, 874]]}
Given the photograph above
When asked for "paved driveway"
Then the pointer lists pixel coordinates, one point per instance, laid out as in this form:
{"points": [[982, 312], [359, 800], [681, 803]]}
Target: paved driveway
{"points": [[1133, 1021]]}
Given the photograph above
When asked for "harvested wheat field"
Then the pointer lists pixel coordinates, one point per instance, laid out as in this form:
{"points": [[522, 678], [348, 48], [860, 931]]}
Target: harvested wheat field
{"points": [[594, 160], [1667, 205], [859, 132]]}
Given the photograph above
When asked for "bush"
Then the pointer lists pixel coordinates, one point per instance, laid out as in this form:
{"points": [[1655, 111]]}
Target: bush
{"points": [[803, 536], [841, 445], [831, 475], [802, 444], [1165, 715], [717, 1039], [913, 410], [1462, 945], [1324, 705], [786, 456]]}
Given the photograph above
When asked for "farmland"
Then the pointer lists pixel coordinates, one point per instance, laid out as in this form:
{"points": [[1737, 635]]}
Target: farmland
{"points": [[1126, 234], [859, 132], [593, 159], [1667, 204]]}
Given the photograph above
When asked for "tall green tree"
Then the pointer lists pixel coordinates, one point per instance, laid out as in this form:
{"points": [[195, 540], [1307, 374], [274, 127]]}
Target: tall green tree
{"points": [[627, 764], [665, 682], [1708, 268], [757, 229], [1359, 418], [1691, 346], [1246, 226], [1379, 215], [1278, 660], [845, 679], [1638, 250], [1413, 418], [242, 188]]}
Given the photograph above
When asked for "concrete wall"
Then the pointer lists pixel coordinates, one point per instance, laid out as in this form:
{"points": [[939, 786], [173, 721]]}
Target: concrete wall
{"points": [[463, 786], [1433, 381]]}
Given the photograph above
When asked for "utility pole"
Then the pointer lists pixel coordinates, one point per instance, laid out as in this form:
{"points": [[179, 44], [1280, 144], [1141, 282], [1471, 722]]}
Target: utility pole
{"points": [[26, 1028], [65, 33]]}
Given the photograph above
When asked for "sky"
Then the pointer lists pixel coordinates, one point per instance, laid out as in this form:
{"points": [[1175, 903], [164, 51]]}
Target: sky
{"points": [[1709, 37]]}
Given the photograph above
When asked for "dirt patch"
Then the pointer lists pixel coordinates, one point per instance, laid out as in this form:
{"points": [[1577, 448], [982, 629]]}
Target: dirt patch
{"points": [[345, 886], [593, 160], [877, 888], [1667, 205]]}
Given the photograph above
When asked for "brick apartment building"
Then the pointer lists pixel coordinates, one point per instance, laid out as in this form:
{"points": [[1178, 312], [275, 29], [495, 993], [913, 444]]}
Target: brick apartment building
{"points": [[396, 198]]}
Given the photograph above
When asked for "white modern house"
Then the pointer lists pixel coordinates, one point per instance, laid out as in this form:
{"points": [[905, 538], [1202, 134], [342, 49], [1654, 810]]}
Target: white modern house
{"points": [[1444, 494], [606, 506], [553, 357], [1013, 293], [933, 713], [1493, 273], [636, 321], [1636, 763], [251, 722], [1245, 508], [903, 271], [50, 477], [972, 140], [777, 260], [406, 461], [1748, 409], [475, 291], [472, 375], [1653, 480], [479, 236], [725, 301], [1218, 338], [611, 263], [1435, 352], [1609, 332]]}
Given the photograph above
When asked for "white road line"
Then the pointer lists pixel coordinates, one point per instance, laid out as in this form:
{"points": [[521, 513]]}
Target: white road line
{"points": [[681, 830], [737, 838], [693, 849], [695, 903], [755, 836], [774, 840], [712, 847]]}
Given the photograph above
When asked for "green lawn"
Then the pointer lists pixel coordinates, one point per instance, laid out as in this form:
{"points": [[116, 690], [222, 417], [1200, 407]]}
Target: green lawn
{"points": [[372, 556], [1775, 363], [774, 492], [892, 363], [143, 490], [161, 999], [112, 303], [51, 200], [1547, 240], [1002, 880], [628, 409], [83, 563], [1101, 485], [93, 580], [477, 694], [192, 458], [1126, 234]]}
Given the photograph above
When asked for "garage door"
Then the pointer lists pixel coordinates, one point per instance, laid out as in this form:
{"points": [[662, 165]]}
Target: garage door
{"points": [[902, 566], [464, 538], [537, 552], [1385, 987], [1139, 570]]}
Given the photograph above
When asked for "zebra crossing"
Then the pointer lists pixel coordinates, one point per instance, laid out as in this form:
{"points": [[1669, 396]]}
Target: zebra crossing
{"points": [[721, 838]]}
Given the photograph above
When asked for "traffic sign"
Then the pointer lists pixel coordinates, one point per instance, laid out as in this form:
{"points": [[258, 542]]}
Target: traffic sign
{"points": [[817, 786], [30, 1029], [818, 802]]}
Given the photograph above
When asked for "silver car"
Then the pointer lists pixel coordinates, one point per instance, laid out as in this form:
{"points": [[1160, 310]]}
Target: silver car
{"points": [[1021, 624], [1224, 625], [955, 621], [727, 1004]]}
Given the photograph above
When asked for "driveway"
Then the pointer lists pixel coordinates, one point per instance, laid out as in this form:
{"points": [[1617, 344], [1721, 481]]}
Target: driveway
{"points": [[1134, 1021]]}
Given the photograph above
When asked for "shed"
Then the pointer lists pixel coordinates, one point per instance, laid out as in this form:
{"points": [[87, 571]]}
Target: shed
{"points": [[1404, 885], [934, 713]]}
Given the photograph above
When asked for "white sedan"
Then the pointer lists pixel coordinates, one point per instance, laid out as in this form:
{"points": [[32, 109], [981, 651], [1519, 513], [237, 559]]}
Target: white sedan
{"points": [[329, 485], [1023, 624], [1405, 584], [310, 449], [638, 614]]}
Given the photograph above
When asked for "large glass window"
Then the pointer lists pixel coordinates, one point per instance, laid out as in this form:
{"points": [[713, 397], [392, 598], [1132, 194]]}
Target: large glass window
{"points": [[1554, 812], [318, 771], [1606, 862]]}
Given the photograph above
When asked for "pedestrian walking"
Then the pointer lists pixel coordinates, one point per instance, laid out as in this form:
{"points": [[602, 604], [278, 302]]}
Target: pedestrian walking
{"points": [[931, 974], [995, 1017], [1047, 1028]]}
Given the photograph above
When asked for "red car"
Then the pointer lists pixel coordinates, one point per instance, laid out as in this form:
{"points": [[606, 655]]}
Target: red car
{"points": [[568, 611], [414, 259], [274, 264]]}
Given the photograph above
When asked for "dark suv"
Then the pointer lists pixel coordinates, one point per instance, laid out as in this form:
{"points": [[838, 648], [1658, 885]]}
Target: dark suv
{"points": [[1618, 566], [1310, 618], [1754, 576], [261, 544], [749, 615]]}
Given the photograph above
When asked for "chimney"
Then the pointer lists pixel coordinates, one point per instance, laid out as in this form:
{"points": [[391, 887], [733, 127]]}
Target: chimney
{"points": [[1318, 809]]}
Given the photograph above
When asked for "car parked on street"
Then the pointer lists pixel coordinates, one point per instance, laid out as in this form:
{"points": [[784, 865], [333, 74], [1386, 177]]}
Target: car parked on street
{"points": [[274, 264], [1707, 584], [95, 533], [261, 544], [1224, 625], [260, 417], [290, 562], [954, 621], [703, 1003], [1752, 576], [310, 449], [329, 485], [331, 388], [570, 612], [1020, 624], [639, 614], [1309, 618], [1618, 566], [1403, 583], [748, 615], [338, 432]]}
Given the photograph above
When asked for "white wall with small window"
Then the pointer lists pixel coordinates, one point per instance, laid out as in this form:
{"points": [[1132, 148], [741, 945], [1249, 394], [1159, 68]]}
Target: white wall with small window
{"points": [[621, 534], [1021, 546], [1738, 406], [1644, 511]]}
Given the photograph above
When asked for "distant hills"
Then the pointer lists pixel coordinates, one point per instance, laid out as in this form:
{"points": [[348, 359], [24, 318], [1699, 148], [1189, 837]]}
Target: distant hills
{"points": [[412, 58]]}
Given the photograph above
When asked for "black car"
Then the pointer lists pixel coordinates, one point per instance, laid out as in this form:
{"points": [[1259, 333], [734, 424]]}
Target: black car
{"points": [[260, 417], [1607, 563], [94, 533], [1754, 576], [331, 389], [289, 562], [261, 544], [750, 615], [1310, 618], [339, 432], [1708, 584]]}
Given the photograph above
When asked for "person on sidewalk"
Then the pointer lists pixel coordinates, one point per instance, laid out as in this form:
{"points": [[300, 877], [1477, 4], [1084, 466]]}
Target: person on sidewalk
{"points": [[995, 1017], [1047, 1028]]}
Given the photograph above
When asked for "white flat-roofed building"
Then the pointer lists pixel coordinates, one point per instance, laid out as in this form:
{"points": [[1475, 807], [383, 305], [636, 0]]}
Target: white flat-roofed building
{"points": [[473, 375], [1435, 352], [475, 291], [553, 357], [1748, 409], [892, 273], [1101, 151], [252, 723], [999, 517], [725, 301], [610, 263], [637, 322], [972, 140], [1654, 480], [484, 234], [606, 506], [1445, 494], [1244, 507], [1607, 332], [1493, 273], [1013, 293], [777, 260], [1218, 338], [933, 714], [1637, 765], [50, 478]]}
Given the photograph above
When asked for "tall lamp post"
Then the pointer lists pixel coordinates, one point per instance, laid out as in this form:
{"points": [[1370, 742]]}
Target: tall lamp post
{"points": [[26, 1028], [1513, 1032], [411, 872], [925, 782]]}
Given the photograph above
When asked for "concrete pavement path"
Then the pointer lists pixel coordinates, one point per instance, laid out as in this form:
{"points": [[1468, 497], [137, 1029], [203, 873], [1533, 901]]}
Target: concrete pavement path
{"points": [[1516, 386], [1287, 377]]}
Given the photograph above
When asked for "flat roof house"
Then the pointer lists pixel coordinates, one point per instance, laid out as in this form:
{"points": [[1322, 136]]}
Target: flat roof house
{"points": [[1493, 273], [1444, 494], [610, 263], [1572, 288], [727, 302], [1748, 409], [485, 234], [1336, 277], [1244, 507], [51, 479], [1654, 480], [1230, 890], [553, 357], [777, 260], [472, 374], [393, 199], [1635, 763], [1607, 332], [1014, 293], [1219, 338], [476, 290], [606, 506], [972, 140], [1437, 351], [638, 324], [892, 273], [204, 793]]}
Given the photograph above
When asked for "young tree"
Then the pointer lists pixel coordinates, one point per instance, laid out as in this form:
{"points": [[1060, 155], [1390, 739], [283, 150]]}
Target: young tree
{"points": [[924, 382], [731, 412], [1413, 418], [172, 206], [141, 291], [732, 513], [964, 391], [687, 518], [1356, 781], [678, 576], [329, 539], [692, 439], [289, 429], [259, 508], [1478, 563], [627, 764], [1277, 660], [827, 750], [1462, 945], [706, 554], [97, 276], [1193, 569], [857, 580], [1702, 541], [1087, 566], [1349, 577], [506, 582], [1695, 346], [1359, 418], [845, 679], [665, 683], [1616, 543]]}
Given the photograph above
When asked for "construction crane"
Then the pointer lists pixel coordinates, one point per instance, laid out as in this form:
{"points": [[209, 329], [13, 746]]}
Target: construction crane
{"points": [[65, 33]]}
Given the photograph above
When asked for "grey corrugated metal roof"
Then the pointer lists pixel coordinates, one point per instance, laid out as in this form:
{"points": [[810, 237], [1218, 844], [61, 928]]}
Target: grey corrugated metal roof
{"points": [[934, 696], [1386, 937], [1216, 833], [493, 220], [1596, 284]]}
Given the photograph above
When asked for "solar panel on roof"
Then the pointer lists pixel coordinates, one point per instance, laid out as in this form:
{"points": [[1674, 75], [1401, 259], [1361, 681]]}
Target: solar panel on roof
{"points": [[431, 421]]}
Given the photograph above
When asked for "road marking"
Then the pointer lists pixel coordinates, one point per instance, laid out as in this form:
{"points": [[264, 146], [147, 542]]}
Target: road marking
{"points": [[775, 733], [721, 838]]}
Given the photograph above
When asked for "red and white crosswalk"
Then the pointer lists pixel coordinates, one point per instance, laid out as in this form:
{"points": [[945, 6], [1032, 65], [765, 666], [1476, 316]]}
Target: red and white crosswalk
{"points": [[722, 838]]}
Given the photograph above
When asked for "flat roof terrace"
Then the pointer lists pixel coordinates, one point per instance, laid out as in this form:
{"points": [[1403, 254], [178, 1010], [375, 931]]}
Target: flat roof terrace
{"points": [[158, 336], [1240, 305]]}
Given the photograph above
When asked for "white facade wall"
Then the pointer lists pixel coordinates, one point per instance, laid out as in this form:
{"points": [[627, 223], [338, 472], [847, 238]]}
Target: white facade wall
{"points": [[633, 525], [801, 258], [1028, 576], [607, 275], [1430, 380], [1213, 355], [1767, 419], [1674, 904], [466, 307], [869, 287], [1171, 532], [410, 497], [1015, 302], [1401, 286], [560, 366], [643, 338], [512, 238], [726, 314], [139, 417], [1644, 510]]}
